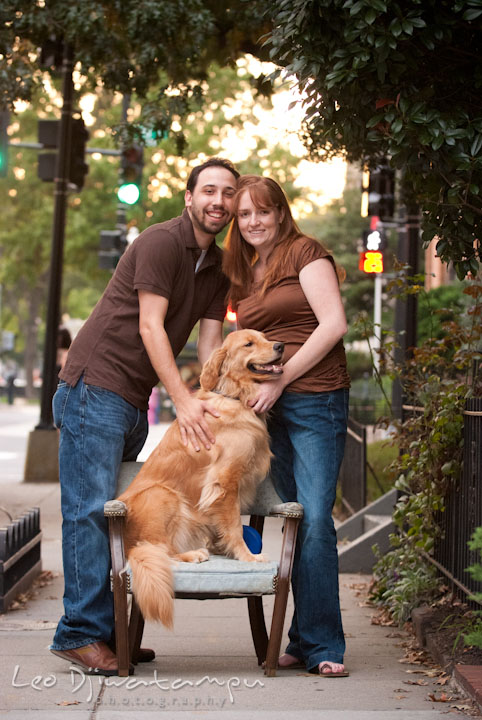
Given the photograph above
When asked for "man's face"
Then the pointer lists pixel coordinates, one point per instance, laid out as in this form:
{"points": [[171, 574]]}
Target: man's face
{"points": [[210, 204]]}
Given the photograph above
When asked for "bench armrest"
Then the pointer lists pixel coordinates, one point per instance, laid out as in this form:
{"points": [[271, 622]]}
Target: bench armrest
{"points": [[115, 508], [287, 510]]}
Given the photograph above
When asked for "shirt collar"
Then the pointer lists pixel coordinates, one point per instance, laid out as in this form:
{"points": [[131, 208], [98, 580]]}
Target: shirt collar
{"points": [[191, 243]]}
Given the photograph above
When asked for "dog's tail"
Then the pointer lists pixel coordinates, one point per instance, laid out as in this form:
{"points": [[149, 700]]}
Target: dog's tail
{"points": [[152, 582]]}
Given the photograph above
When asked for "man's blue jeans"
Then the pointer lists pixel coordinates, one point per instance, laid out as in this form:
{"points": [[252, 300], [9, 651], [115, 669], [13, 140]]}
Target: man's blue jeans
{"points": [[308, 432], [98, 430]]}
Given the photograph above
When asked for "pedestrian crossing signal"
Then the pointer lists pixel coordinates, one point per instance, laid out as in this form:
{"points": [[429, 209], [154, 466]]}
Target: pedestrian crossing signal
{"points": [[371, 262]]}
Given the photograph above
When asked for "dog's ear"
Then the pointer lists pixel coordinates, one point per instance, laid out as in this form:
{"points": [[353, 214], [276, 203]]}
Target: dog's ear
{"points": [[212, 369]]}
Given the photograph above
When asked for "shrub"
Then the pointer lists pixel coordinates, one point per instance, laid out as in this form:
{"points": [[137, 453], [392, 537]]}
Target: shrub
{"points": [[474, 636], [436, 382]]}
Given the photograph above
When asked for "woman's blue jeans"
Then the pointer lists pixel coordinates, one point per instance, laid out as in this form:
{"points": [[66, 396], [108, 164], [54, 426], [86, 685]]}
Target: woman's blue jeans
{"points": [[308, 433], [98, 430]]}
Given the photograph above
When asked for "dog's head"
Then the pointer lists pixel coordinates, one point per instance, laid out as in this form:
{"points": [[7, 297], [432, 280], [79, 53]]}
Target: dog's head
{"points": [[245, 357]]}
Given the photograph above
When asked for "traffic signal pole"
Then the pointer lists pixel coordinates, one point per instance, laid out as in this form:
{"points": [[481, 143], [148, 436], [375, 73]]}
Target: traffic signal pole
{"points": [[377, 320], [41, 461], [406, 308], [121, 208], [57, 254]]}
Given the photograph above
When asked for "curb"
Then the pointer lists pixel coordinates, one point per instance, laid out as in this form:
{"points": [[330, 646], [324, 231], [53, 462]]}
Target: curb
{"points": [[469, 677]]}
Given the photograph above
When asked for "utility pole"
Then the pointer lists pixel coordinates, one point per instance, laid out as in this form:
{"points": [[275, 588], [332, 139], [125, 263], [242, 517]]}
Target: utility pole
{"points": [[121, 208], [406, 308], [377, 321], [42, 452]]}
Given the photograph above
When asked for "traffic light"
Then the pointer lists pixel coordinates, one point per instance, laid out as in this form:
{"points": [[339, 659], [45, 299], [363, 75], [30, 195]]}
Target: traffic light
{"points": [[371, 259], [112, 245], [132, 163], [4, 122], [378, 192], [48, 136], [231, 319], [231, 315], [78, 167], [381, 192]]}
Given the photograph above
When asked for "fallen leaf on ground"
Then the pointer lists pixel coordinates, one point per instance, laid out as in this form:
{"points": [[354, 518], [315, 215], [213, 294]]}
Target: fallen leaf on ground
{"points": [[416, 672], [442, 698], [382, 618], [69, 702], [415, 682], [443, 680], [461, 707]]}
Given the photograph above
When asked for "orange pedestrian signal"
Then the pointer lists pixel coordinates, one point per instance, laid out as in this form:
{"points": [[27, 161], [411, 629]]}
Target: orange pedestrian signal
{"points": [[231, 316], [371, 262]]}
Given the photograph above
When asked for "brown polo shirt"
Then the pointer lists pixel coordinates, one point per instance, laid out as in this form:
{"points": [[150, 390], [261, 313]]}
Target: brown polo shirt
{"points": [[108, 350], [284, 314]]}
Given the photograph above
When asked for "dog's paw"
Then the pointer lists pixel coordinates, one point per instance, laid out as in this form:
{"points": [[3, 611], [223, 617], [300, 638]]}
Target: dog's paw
{"points": [[261, 557], [202, 555], [193, 556]]}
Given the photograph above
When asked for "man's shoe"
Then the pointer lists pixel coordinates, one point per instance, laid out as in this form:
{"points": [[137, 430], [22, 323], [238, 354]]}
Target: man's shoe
{"points": [[94, 659]]}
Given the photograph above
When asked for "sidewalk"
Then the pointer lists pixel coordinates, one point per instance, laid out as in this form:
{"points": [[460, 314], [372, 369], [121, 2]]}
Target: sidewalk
{"points": [[207, 667]]}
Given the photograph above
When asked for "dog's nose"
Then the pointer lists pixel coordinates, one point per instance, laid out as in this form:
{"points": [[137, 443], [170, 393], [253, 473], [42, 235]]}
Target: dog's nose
{"points": [[279, 347]]}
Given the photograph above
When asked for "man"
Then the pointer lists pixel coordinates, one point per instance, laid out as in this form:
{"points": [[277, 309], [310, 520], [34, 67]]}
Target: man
{"points": [[167, 280]]}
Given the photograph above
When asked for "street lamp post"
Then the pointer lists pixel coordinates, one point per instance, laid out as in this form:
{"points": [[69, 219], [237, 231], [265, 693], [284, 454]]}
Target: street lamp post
{"points": [[41, 461]]}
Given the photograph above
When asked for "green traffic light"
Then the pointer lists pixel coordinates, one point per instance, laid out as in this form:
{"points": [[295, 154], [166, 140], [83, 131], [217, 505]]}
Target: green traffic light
{"points": [[129, 193]]}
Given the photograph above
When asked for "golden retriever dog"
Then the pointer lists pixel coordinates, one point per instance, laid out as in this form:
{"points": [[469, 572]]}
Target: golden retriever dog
{"points": [[183, 501]]}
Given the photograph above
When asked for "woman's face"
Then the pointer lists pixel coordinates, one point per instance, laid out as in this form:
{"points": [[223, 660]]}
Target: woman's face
{"points": [[258, 226]]}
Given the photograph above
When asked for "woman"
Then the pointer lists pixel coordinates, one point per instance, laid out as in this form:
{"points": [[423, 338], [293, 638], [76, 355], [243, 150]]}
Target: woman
{"points": [[284, 284]]}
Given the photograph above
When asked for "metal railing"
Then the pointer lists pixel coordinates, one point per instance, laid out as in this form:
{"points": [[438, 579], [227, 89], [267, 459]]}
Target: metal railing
{"points": [[463, 508], [353, 471], [20, 560]]}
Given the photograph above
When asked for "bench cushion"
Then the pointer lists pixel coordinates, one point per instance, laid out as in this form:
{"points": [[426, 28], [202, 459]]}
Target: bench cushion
{"points": [[222, 576]]}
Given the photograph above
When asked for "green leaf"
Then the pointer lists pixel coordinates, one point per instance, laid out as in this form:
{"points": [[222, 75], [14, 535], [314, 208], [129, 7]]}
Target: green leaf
{"points": [[395, 27], [472, 14], [476, 145], [357, 7], [418, 22], [407, 27]]}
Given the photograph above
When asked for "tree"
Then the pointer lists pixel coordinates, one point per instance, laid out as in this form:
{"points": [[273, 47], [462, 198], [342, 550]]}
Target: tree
{"points": [[25, 233], [125, 45], [385, 78]]}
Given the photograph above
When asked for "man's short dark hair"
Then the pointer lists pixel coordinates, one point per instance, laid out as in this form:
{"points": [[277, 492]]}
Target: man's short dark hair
{"points": [[212, 162]]}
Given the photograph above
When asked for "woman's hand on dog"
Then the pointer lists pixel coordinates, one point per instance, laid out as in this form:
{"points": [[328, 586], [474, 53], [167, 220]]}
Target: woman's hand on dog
{"points": [[192, 424], [267, 395]]}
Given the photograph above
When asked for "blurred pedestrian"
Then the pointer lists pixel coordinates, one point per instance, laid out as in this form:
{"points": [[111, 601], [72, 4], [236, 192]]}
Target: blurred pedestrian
{"points": [[10, 378]]}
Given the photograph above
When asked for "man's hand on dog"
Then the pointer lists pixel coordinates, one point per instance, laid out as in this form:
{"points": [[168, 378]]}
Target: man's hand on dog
{"points": [[192, 424]]}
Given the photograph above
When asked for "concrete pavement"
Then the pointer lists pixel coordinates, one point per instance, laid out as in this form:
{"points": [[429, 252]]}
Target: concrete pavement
{"points": [[206, 668]]}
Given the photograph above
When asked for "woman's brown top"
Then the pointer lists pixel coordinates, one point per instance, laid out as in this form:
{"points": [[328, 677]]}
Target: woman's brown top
{"points": [[284, 314]]}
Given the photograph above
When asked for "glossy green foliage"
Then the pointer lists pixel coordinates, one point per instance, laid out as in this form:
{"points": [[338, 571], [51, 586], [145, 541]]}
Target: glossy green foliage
{"points": [[403, 80]]}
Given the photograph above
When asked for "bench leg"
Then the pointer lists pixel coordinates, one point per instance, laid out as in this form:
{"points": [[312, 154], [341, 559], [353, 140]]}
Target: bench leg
{"points": [[258, 627], [136, 630], [281, 597]]}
